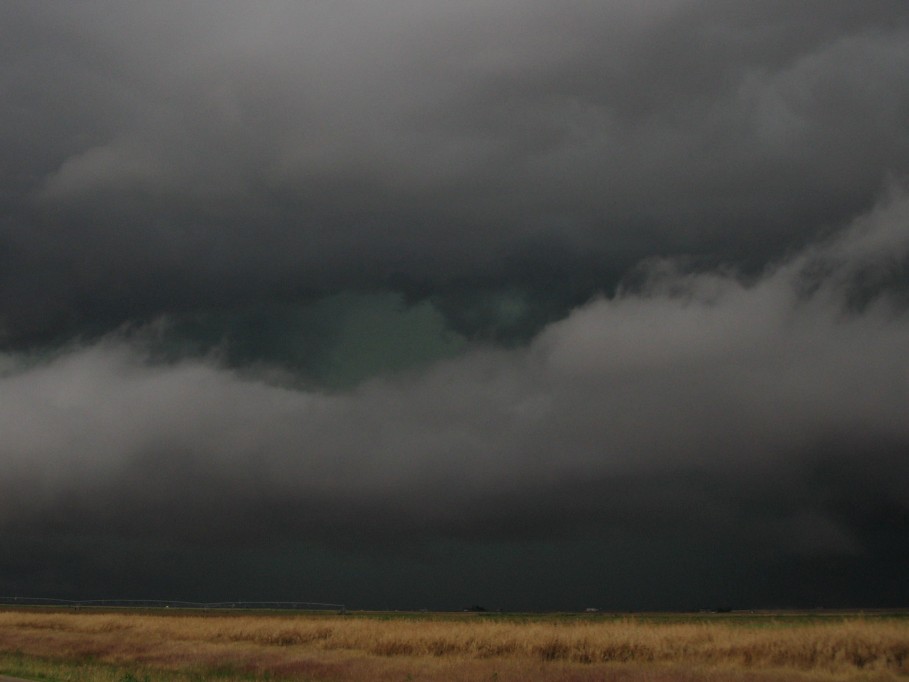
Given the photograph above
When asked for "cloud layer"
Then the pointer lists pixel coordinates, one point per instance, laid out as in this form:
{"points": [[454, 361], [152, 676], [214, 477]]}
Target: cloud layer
{"points": [[219, 153], [469, 281], [777, 404]]}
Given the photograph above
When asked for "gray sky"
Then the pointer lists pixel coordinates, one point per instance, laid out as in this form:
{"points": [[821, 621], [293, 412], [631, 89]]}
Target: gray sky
{"points": [[531, 304]]}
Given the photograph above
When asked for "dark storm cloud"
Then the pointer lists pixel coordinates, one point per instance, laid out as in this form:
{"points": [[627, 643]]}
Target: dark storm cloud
{"points": [[768, 410], [178, 155], [474, 280]]}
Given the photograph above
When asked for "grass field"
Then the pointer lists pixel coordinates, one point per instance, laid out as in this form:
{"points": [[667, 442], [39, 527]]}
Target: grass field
{"points": [[130, 646]]}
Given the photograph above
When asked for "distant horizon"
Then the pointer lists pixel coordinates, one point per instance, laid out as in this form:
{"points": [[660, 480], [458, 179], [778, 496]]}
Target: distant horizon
{"points": [[323, 607]]}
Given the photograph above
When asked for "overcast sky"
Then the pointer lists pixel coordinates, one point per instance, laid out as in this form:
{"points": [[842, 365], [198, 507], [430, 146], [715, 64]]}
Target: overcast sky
{"points": [[415, 304]]}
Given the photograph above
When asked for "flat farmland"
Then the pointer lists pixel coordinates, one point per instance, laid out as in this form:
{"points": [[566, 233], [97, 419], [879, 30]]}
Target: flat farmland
{"points": [[146, 646]]}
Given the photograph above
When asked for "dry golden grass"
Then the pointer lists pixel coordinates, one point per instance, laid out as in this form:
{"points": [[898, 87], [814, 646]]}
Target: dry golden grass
{"points": [[314, 647]]}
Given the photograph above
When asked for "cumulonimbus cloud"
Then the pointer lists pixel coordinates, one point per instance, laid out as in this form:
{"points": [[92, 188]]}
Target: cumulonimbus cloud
{"points": [[777, 388], [170, 158]]}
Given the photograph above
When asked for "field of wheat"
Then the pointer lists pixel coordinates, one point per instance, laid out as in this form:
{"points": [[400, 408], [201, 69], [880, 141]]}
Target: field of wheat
{"points": [[128, 646]]}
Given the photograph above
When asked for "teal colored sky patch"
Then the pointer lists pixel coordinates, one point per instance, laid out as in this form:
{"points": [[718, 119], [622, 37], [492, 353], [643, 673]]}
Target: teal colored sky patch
{"points": [[335, 342], [379, 334]]}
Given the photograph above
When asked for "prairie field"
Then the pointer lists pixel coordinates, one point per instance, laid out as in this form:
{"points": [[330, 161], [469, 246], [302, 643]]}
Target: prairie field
{"points": [[129, 646]]}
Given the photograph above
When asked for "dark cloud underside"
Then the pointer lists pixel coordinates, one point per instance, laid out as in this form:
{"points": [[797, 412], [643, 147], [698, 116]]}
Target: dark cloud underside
{"points": [[424, 298], [222, 153]]}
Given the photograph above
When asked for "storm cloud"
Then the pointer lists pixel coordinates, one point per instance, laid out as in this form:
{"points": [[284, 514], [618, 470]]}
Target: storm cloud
{"points": [[756, 401], [618, 278], [180, 156]]}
